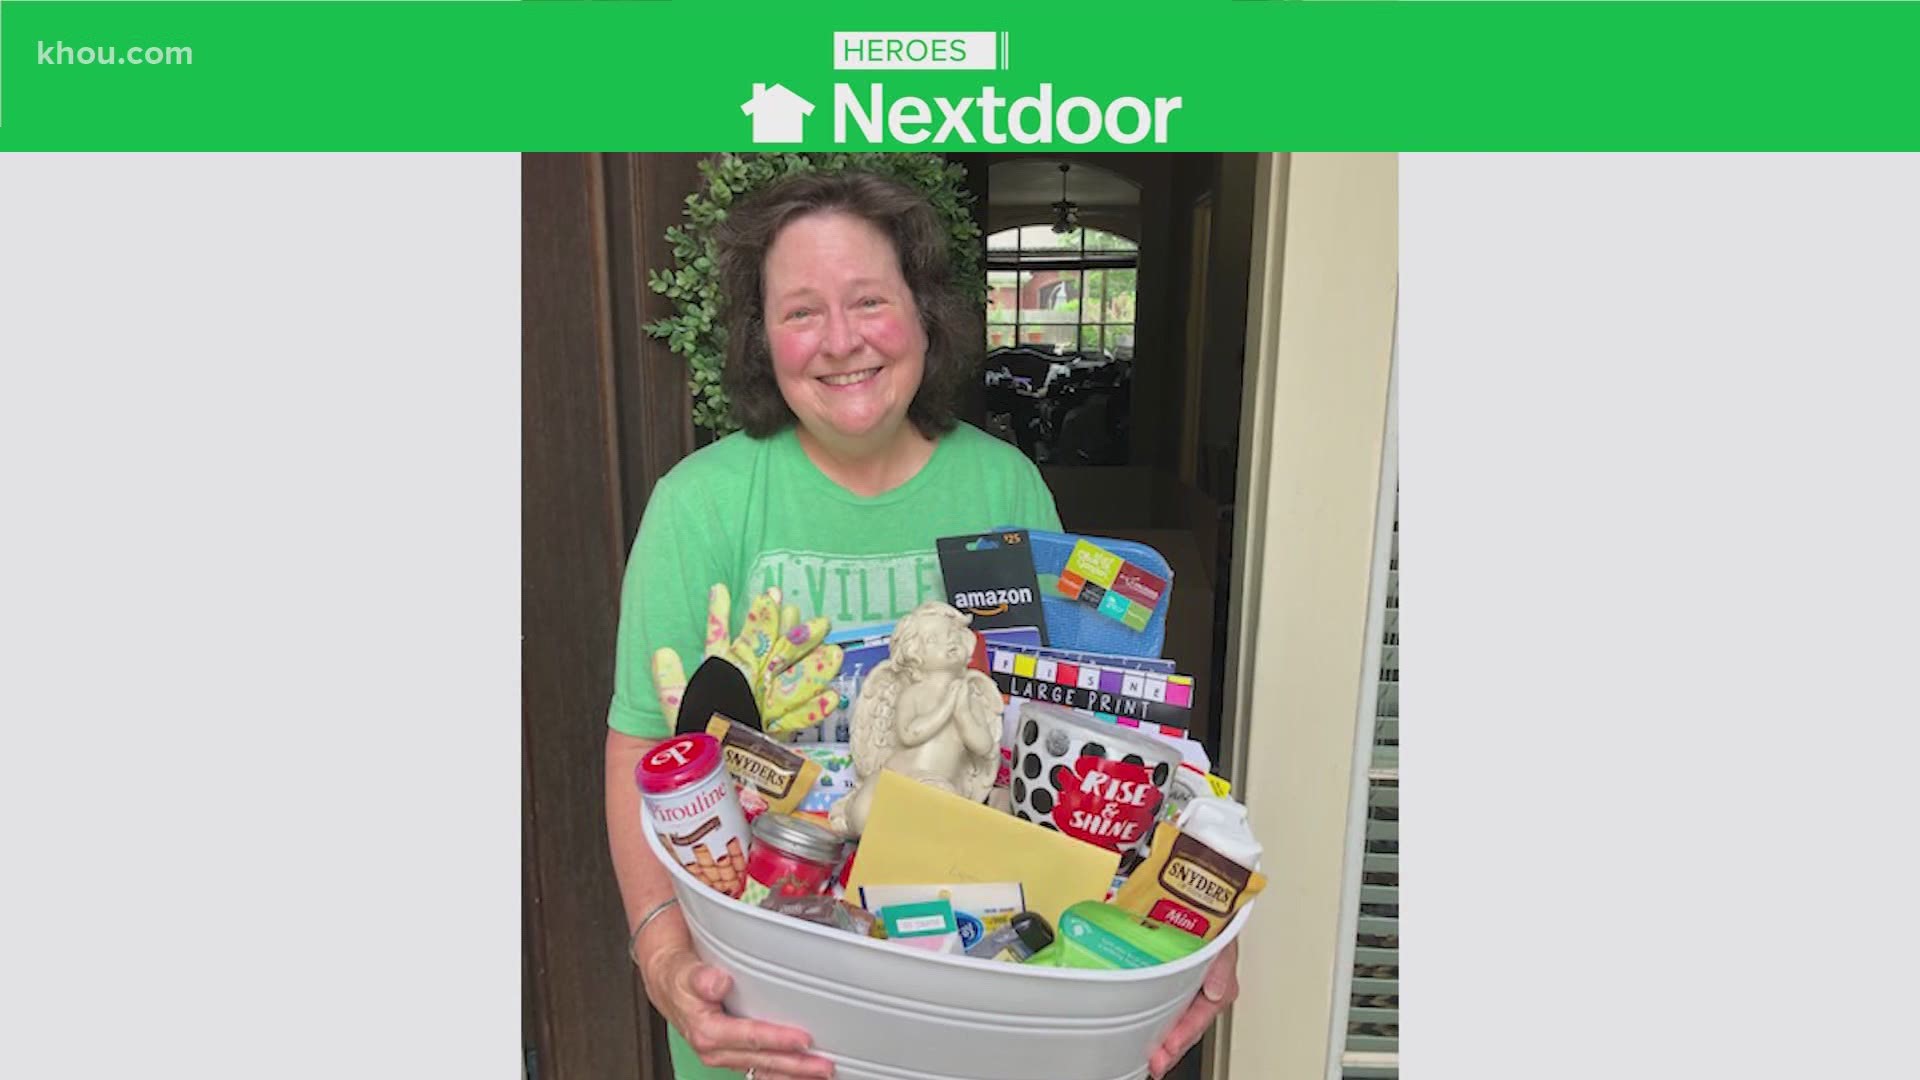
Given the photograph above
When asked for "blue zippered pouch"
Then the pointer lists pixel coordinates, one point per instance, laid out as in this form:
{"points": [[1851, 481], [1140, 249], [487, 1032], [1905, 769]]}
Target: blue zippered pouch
{"points": [[1074, 625]]}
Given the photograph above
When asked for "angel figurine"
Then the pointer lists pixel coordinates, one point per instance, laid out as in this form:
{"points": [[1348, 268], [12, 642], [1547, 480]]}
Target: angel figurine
{"points": [[923, 714]]}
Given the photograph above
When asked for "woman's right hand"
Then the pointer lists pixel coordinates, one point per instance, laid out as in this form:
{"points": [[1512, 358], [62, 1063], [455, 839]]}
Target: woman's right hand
{"points": [[688, 993]]}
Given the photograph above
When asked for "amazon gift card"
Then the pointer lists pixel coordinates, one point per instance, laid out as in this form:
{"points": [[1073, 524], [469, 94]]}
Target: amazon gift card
{"points": [[991, 577]]}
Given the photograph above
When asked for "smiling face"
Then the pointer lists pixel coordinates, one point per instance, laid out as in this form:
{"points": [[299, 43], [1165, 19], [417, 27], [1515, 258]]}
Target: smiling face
{"points": [[845, 335]]}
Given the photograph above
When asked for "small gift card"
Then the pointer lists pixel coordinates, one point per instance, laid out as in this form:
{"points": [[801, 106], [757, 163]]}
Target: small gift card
{"points": [[991, 577], [929, 925], [1117, 588]]}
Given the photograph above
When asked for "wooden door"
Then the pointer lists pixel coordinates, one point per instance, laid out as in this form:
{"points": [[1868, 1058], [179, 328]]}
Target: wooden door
{"points": [[605, 413]]}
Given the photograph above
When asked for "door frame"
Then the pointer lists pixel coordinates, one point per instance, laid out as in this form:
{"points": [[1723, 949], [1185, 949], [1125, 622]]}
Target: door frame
{"points": [[1316, 467]]}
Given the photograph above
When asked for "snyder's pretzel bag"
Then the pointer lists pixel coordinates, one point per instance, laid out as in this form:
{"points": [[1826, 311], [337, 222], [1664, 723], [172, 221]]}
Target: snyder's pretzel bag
{"points": [[782, 775], [1186, 884]]}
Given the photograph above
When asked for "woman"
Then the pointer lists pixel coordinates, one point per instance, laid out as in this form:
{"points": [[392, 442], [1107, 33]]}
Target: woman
{"points": [[848, 345]]}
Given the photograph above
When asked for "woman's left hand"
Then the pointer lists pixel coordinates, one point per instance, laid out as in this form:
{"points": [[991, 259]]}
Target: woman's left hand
{"points": [[1222, 985]]}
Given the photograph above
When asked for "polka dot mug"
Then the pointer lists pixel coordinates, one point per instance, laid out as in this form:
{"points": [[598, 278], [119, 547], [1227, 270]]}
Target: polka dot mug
{"points": [[1093, 780]]}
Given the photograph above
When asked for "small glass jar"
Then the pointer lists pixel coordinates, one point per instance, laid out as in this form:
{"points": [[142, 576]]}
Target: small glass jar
{"points": [[790, 857]]}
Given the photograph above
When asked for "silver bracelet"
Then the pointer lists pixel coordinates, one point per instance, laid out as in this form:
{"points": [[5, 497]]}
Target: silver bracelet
{"points": [[634, 938]]}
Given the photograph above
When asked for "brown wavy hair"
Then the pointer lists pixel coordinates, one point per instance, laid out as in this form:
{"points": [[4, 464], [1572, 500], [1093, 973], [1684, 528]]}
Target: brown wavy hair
{"points": [[919, 241]]}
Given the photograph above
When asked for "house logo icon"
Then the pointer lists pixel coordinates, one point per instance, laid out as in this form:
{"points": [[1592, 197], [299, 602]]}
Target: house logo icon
{"points": [[777, 113]]}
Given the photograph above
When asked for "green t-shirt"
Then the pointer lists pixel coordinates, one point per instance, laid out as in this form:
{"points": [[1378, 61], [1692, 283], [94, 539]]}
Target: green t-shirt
{"points": [[756, 512]]}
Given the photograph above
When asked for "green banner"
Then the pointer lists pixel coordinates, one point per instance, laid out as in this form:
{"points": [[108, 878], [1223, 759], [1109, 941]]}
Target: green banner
{"points": [[1210, 75]]}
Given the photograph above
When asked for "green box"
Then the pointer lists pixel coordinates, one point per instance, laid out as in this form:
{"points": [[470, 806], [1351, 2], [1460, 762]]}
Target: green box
{"points": [[928, 918]]}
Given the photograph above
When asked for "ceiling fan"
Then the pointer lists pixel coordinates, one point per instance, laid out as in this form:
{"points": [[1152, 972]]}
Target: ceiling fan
{"points": [[1066, 213]]}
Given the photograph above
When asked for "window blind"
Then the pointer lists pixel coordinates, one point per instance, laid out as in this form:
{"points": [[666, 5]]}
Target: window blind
{"points": [[1373, 1019]]}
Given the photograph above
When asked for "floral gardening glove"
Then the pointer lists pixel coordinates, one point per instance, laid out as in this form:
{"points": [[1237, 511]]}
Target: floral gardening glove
{"points": [[787, 668]]}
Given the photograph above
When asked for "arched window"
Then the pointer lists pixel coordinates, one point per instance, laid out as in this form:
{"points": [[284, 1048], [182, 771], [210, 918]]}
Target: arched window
{"points": [[1071, 292]]}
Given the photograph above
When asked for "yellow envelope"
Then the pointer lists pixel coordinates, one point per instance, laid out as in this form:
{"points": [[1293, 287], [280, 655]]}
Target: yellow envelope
{"points": [[917, 835]]}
